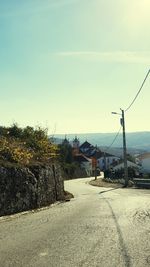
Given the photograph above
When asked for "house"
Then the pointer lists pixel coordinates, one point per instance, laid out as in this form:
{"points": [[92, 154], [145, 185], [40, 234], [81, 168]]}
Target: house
{"points": [[144, 161], [85, 163], [87, 149], [90, 151], [101, 160], [106, 160]]}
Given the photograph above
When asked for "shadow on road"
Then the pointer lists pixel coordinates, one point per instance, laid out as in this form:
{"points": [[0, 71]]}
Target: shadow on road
{"points": [[123, 247], [105, 191]]}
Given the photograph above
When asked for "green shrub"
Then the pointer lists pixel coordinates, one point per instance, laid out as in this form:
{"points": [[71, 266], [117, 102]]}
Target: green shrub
{"points": [[25, 145]]}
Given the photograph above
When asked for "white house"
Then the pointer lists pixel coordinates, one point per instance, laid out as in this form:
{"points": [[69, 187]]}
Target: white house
{"points": [[106, 160], [144, 161]]}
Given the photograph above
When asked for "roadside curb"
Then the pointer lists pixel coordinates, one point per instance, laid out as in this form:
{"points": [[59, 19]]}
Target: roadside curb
{"points": [[23, 213]]}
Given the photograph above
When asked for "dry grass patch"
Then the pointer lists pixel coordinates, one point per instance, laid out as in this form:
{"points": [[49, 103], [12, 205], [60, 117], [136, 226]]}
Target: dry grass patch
{"points": [[102, 183]]}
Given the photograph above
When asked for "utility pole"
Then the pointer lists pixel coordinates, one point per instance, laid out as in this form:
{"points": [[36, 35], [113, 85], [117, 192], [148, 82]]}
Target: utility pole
{"points": [[122, 120], [105, 165], [124, 149], [95, 171]]}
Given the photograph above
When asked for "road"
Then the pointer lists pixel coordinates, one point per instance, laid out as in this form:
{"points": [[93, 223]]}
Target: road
{"points": [[95, 229]]}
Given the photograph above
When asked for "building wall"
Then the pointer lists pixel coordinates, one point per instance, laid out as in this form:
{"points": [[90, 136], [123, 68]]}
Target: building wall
{"points": [[109, 161], [88, 167]]}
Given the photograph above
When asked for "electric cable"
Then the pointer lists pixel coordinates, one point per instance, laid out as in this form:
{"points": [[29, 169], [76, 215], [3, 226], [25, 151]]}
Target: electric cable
{"points": [[138, 91], [113, 140], [128, 109]]}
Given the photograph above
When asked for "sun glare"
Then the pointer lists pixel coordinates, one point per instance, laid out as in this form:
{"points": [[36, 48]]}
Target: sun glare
{"points": [[138, 14]]}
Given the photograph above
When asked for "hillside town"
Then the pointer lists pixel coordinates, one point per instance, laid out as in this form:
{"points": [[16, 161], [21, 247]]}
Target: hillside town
{"points": [[74, 133], [93, 160]]}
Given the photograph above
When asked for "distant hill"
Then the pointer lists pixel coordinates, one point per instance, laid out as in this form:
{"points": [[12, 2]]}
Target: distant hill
{"points": [[136, 141], [118, 151]]}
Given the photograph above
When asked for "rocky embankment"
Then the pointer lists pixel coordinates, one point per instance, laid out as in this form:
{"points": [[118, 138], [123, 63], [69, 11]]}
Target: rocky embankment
{"points": [[26, 188]]}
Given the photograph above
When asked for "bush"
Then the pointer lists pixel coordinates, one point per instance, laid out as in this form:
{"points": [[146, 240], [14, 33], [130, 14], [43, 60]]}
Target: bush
{"points": [[26, 145]]}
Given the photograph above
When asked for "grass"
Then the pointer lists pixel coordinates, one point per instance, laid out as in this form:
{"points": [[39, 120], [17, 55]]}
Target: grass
{"points": [[102, 183]]}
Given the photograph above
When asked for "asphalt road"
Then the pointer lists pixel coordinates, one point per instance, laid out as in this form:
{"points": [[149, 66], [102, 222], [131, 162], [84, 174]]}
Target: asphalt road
{"points": [[96, 228]]}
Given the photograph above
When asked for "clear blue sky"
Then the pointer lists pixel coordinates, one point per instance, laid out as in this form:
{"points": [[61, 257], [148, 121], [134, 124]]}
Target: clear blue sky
{"points": [[66, 64]]}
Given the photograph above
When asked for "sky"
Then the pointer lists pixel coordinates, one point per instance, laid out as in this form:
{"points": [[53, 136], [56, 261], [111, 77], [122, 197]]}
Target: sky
{"points": [[67, 64]]}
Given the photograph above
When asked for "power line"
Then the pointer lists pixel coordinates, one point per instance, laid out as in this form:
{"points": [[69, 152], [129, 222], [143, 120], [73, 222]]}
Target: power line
{"points": [[138, 91], [128, 109], [113, 140]]}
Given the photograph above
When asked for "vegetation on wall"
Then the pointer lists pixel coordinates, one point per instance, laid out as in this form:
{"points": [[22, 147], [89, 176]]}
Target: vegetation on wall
{"points": [[26, 145]]}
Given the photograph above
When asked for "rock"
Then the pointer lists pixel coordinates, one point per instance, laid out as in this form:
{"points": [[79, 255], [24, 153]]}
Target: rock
{"points": [[24, 188]]}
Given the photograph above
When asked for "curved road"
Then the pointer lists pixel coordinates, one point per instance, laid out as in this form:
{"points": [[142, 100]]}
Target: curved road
{"points": [[99, 227]]}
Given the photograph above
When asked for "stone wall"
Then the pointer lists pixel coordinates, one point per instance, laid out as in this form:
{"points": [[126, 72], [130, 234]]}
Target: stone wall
{"points": [[23, 188]]}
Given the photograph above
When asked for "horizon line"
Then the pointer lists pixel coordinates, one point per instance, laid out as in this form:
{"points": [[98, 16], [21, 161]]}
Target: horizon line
{"points": [[76, 134]]}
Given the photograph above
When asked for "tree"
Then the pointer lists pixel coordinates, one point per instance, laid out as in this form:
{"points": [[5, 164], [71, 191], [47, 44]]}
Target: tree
{"points": [[14, 131], [65, 153]]}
